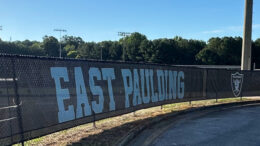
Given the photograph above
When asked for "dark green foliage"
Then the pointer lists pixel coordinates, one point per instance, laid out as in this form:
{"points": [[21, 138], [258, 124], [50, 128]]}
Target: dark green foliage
{"points": [[188, 49], [256, 53], [72, 54], [115, 51], [26, 48], [72, 41], [217, 51], [51, 46], [165, 51], [222, 51], [132, 46]]}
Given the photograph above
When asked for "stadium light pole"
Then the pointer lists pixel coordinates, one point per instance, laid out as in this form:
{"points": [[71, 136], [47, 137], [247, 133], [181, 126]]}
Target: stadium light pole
{"points": [[247, 36], [101, 52], [60, 30], [124, 34]]}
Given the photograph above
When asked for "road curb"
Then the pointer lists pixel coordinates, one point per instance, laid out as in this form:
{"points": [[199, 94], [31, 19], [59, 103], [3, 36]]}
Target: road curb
{"points": [[133, 133]]}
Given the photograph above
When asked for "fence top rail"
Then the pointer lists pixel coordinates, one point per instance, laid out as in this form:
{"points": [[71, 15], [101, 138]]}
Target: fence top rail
{"points": [[218, 67]]}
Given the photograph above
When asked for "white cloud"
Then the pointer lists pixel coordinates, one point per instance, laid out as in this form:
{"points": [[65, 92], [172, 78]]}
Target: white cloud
{"points": [[235, 28], [230, 29], [212, 32], [240, 28]]}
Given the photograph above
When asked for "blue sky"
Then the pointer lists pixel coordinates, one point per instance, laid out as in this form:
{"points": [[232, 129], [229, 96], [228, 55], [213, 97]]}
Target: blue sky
{"points": [[99, 20]]}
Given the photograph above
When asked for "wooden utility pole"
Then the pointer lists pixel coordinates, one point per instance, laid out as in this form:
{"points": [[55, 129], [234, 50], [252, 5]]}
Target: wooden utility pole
{"points": [[247, 44]]}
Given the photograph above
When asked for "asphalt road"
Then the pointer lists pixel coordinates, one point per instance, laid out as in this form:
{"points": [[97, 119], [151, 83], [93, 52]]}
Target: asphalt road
{"points": [[239, 126]]}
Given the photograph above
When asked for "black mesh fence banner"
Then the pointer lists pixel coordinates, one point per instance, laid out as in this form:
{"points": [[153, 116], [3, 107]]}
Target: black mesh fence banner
{"points": [[39, 96]]}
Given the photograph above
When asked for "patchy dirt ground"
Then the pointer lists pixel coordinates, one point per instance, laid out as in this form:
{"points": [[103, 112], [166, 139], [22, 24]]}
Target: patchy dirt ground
{"points": [[111, 130]]}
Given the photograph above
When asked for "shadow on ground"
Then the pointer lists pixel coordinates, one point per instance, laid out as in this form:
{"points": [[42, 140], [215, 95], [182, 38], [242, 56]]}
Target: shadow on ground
{"points": [[114, 135]]}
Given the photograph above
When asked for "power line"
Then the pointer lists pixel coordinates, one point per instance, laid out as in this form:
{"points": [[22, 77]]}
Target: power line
{"points": [[60, 30]]}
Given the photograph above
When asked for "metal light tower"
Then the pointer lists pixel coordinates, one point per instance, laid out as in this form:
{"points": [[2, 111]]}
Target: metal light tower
{"points": [[101, 53], [246, 47], [60, 30], [124, 34]]}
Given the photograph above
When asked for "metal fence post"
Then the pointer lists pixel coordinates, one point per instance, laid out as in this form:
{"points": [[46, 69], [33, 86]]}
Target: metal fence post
{"points": [[241, 94], [205, 75], [217, 96], [134, 114], [94, 122], [94, 115], [10, 125], [18, 101]]}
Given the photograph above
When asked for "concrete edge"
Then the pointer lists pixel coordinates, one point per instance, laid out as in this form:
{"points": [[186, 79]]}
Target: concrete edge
{"points": [[134, 132]]}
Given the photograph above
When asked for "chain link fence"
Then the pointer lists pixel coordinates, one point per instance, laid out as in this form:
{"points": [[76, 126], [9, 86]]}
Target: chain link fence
{"points": [[39, 96]]}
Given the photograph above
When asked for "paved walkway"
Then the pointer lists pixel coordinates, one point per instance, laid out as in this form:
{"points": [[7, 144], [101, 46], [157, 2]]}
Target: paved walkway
{"points": [[228, 127]]}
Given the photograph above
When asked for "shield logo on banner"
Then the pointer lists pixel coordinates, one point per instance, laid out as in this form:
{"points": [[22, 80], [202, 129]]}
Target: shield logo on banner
{"points": [[236, 83]]}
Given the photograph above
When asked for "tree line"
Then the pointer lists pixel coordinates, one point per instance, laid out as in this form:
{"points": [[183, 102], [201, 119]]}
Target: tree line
{"points": [[137, 48]]}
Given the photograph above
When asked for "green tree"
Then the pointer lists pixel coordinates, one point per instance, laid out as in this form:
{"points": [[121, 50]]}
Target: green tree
{"points": [[188, 49], [51, 46], [148, 51], [89, 50], [221, 51], [69, 48], [72, 54], [256, 53], [132, 46], [19, 47], [105, 46], [72, 41], [115, 51], [166, 51]]}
